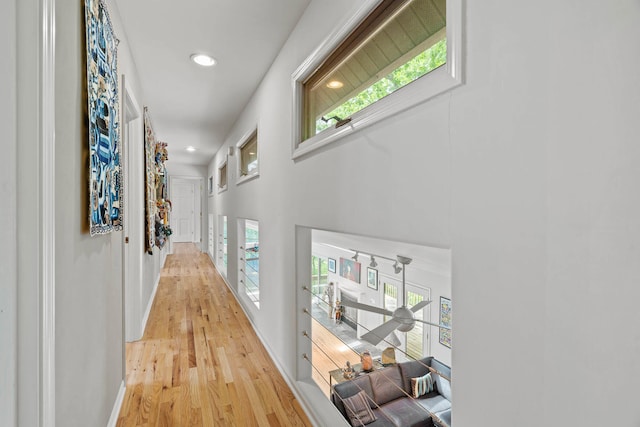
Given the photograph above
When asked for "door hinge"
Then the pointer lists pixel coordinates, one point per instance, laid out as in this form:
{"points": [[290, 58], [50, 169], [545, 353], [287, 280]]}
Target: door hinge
{"points": [[126, 239]]}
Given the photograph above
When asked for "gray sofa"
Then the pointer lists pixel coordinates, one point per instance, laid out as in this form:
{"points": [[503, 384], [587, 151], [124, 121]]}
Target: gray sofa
{"points": [[388, 392]]}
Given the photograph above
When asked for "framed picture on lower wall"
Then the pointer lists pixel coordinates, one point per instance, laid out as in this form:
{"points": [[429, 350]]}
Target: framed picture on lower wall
{"points": [[332, 265], [445, 320], [372, 278]]}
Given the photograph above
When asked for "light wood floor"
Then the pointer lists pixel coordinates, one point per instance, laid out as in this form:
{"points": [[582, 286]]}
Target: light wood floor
{"points": [[200, 363], [328, 353]]}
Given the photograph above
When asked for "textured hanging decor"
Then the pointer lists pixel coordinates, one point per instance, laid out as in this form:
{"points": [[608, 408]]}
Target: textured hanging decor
{"points": [[150, 183], [163, 204], [105, 180], [157, 205]]}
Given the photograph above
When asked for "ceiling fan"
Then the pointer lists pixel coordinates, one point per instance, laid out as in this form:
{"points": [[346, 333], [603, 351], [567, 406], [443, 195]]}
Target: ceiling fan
{"points": [[402, 318]]}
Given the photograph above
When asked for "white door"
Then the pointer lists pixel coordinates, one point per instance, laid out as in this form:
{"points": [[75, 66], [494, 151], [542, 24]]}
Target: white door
{"points": [[183, 195], [132, 241]]}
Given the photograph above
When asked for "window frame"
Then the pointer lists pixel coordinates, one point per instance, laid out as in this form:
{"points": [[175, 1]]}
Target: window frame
{"points": [[243, 288], [435, 83], [222, 165], [246, 138]]}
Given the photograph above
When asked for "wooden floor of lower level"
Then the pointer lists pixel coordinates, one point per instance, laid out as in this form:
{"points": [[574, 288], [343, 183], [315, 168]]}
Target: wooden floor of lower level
{"points": [[200, 362]]}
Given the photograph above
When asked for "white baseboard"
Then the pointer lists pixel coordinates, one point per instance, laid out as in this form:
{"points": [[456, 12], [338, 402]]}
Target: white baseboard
{"points": [[145, 318], [115, 412]]}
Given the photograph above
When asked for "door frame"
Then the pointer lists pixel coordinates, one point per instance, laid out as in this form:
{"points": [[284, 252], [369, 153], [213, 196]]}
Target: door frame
{"points": [[132, 251], [197, 212], [34, 308]]}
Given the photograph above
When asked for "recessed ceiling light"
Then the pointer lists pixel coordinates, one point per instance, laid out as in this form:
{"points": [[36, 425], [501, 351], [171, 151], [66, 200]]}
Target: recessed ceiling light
{"points": [[202, 59], [190, 149], [335, 84]]}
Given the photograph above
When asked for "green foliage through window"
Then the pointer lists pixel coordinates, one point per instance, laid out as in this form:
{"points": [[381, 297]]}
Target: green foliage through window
{"points": [[417, 67]]}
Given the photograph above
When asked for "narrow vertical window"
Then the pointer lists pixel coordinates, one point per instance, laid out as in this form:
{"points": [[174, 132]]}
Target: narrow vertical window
{"points": [[249, 259], [222, 245]]}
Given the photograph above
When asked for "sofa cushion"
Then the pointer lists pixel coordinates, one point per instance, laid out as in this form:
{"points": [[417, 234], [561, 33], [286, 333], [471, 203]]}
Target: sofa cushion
{"points": [[421, 385], [358, 409], [349, 388], [383, 420], [413, 369], [406, 413], [386, 384], [434, 402]]}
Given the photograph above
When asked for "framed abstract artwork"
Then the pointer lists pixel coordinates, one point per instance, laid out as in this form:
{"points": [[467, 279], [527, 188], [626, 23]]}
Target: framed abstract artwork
{"points": [[445, 320], [150, 205], [372, 278], [332, 265], [105, 176], [350, 269]]}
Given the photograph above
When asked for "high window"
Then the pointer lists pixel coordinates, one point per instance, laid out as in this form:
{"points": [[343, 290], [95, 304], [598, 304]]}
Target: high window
{"points": [[222, 176], [248, 164], [249, 259], [356, 78]]}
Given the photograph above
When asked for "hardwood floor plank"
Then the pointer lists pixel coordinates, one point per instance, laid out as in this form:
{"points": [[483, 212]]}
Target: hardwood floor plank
{"points": [[199, 362]]}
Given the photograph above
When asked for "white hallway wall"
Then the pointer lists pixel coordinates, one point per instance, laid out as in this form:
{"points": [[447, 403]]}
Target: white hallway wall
{"points": [[528, 173], [8, 217], [89, 330]]}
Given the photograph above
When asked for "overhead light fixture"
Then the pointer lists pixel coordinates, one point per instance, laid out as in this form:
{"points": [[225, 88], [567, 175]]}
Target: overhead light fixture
{"points": [[202, 59], [190, 149], [335, 84], [373, 262], [355, 257], [397, 268]]}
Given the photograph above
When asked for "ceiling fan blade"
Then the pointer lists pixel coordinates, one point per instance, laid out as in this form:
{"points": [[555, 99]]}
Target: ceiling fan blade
{"points": [[393, 339], [366, 307], [420, 305], [376, 335], [433, 324]]}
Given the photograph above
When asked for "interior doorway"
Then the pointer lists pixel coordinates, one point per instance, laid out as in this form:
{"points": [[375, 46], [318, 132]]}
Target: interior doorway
{"points": [[186, 210]]}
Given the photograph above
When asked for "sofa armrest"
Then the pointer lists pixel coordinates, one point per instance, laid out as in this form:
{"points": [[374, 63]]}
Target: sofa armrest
{"points": [[442, 419]]}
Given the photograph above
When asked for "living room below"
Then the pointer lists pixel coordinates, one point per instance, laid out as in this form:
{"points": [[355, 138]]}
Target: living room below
{"points": [[389, 301]]}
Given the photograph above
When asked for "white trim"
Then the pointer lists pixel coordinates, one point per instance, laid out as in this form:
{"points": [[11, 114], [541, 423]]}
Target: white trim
{"points": [[243, 141], [435, 83], [115, 412], [145, 317], [48, 108]]}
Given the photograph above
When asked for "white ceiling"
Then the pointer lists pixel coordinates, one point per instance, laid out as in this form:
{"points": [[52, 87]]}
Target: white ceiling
{"points": [[193, 105]]}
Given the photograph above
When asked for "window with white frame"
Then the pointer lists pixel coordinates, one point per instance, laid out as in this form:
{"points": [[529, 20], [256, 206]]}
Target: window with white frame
{"points": [[356, 77], [223, 245], [249, 259], [248, 163], [222, 176]]}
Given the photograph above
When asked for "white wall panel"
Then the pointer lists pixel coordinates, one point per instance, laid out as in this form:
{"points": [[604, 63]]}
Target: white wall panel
{"points": [[526, 173]]}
